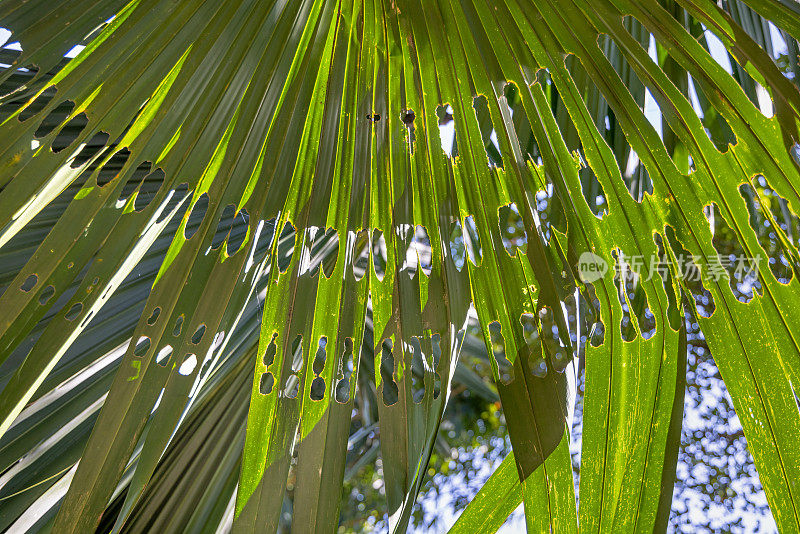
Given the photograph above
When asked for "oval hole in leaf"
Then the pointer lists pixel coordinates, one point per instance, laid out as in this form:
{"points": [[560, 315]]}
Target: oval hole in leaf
{"points": [[53, 119], [70, 132], [504, 366], [132, 183], [163, 355], [188, 365], [74, 311], [345, 372], [142, 346], [196, 216], [317, 389], [198, 334], [238, 233], [458, 250], [512, 229], [29, 283], [388, 385], [379, 254], [447, 130], [266, 383], [176, 330], [91, 149], [472, 241], [147, 191], [360, 260], [272, 349], [286, 246], [223, 226], [154, 316], [417, 370], [46, 294]]}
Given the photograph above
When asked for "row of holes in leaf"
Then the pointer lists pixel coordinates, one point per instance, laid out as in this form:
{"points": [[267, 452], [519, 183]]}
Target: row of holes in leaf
{"points": [[423, 355], [632, 298], [186, 367], [321, 246], [542, 348], [776, 227], [318, 386], [68, 132], [231, 225]]}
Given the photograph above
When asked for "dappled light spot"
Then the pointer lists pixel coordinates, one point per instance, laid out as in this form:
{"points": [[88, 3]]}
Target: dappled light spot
{"points": [[29, 283], [505, 368], [142, 346], [238, 233], [731, 262], [37, 105], [458, 250], [46, 294], [512, 229], [148, 189], [176, 330], [472, 241], [196, 216], [163, 355], [345, 373], [379, 254], [286, 246], [223, 226], [188, 365], [360, 255], [112, 167], [74, 311], [198, 334], [388, 385], [447, 130], [133, 182]]}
